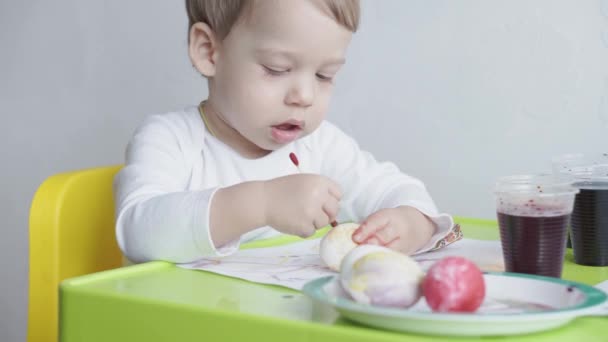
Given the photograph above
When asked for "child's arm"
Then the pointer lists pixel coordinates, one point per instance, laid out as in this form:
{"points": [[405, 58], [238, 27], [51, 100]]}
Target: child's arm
{"points": [[296, 204], [379, 195], [403, 228], [158, 217]]}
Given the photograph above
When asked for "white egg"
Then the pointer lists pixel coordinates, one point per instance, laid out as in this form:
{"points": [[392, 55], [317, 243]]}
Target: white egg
{"points": [[336, 244], [380, 276]]}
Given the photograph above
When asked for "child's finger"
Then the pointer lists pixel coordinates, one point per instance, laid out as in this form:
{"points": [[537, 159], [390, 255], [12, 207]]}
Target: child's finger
{"points": [[401, 245], [331, 209], [372, 241], [369, 227], [321, 220], [334, 190], [386, 235], [394, 244]]}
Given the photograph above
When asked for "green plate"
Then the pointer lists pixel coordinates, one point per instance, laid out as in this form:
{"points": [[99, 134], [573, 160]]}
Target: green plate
{"points": [[514, 304]]}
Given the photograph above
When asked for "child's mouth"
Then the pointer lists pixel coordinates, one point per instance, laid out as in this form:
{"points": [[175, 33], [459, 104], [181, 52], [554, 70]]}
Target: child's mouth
{"points": [[287, 132]]}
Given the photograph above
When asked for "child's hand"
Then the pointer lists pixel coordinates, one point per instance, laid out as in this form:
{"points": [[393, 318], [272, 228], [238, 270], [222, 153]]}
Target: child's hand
{"points": [[300, 204], [404, 229]]}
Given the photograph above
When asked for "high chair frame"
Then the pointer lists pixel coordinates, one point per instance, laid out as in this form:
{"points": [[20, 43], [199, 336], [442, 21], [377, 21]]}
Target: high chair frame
{"points": [[71, 231]]}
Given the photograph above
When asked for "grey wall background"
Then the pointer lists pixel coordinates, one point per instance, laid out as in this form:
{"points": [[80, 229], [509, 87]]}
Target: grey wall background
{"points": [[455, 92]]}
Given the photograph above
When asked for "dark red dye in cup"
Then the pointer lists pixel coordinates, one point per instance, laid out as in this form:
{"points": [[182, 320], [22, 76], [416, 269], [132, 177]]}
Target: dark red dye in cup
{"points": [[533, 245]]}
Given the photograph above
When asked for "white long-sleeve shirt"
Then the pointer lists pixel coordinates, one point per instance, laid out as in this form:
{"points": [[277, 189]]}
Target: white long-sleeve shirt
{"points": [[174, 166]]}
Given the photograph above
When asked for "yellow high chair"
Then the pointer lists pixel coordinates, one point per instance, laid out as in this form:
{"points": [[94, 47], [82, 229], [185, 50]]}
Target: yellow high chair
{"points": [[71, 234]]}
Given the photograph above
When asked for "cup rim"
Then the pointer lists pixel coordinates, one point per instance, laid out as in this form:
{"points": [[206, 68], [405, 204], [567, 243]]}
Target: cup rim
{"points": [[581, 166], [585, 158], [540, 184]]}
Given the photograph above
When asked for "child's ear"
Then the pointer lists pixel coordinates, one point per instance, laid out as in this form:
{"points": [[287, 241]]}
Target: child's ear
{"points": [[203, 48]]}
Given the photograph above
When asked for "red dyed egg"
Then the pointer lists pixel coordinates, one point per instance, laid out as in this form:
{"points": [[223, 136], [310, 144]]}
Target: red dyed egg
{"points": [[454, 284]]}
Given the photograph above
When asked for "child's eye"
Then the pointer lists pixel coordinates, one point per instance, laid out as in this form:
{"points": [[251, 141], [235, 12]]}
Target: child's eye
{"points": [[324, 78], [274, 71]]}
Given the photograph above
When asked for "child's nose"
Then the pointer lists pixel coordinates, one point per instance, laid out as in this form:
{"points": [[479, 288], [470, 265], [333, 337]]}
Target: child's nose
{"points": [[301, 93]]}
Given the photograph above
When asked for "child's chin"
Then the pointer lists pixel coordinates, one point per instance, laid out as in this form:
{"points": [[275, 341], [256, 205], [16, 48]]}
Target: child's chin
{"points": [[268, 146], [273, 145]]}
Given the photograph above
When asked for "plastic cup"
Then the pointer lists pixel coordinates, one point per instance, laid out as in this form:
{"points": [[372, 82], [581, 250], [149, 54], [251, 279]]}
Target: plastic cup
{"points": [[533, 215], [589, 224]]}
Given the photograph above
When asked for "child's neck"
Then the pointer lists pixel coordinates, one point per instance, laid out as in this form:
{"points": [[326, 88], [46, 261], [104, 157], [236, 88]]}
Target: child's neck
{"points": [[222, 131]]}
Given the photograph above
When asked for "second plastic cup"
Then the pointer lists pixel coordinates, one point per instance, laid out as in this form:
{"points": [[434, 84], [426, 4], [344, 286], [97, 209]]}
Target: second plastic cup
{"points": [[533, 215], [589, 226]]}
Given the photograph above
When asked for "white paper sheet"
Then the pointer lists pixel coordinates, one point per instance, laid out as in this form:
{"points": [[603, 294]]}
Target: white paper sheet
{"points": [[295, 264]]}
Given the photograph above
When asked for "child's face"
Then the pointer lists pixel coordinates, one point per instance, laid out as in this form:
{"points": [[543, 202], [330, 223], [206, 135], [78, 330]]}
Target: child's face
{"points": [[274, 71]]}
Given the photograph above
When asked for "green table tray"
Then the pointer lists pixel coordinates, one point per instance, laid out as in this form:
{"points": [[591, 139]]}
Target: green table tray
{"points": [[158, 301]]}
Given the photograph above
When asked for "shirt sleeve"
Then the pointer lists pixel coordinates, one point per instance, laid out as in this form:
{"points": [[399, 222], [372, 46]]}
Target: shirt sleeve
{"points": [[369, 185], [157, 218]]}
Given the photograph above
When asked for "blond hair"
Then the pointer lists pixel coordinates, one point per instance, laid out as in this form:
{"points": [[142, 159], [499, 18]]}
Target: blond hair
{"points": [[222, 15]]}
